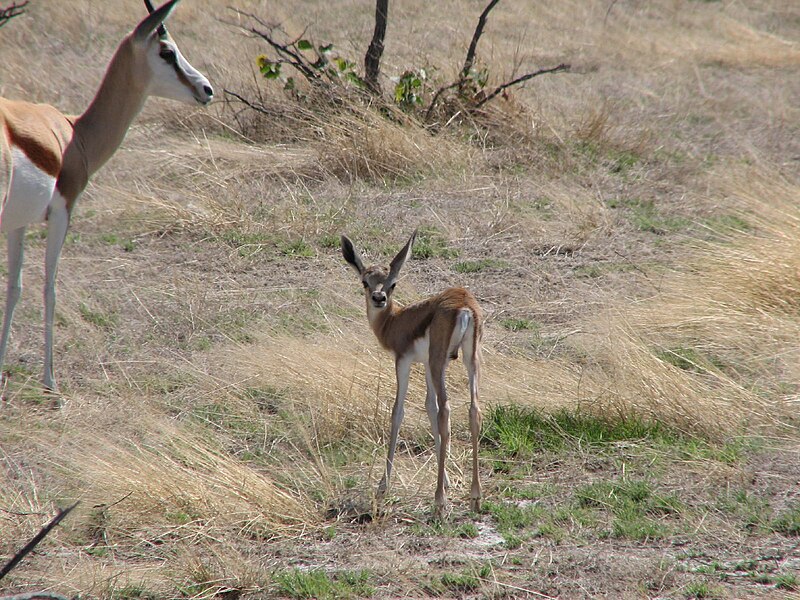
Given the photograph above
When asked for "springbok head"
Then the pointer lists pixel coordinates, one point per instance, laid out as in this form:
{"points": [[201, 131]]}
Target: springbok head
{"points": [[169, 74], [378, 284]]}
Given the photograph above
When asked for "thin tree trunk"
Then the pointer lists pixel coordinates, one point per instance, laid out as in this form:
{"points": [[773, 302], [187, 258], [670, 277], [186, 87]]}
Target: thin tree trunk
{"points": [[372, 60]]}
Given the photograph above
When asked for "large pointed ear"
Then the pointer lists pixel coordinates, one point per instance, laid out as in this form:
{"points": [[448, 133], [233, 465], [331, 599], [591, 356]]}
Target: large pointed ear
{"points": [[351, 255], [154, 21], [162, 30], [399, 260]]}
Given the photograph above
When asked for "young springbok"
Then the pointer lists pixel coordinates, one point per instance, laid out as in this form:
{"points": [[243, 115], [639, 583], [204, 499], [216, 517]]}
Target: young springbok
{"points": [[431, 332], [47, 158]]}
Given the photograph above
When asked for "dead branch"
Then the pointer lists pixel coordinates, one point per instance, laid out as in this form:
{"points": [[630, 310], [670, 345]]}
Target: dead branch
{"points": [[469, 63], [521, 79], [35, 541], [285, 51], [258, 107], [372, 60], [15, 10], [470, 59]]}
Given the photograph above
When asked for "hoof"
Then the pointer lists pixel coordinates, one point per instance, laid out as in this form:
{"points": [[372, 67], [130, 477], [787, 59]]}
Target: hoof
{"points": [[475, 505]]}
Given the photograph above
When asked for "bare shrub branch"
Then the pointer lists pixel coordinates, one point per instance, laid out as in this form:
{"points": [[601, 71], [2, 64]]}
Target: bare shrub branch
{"points": [[521, 79], [465, 76], [15, 10], [470, 59]]}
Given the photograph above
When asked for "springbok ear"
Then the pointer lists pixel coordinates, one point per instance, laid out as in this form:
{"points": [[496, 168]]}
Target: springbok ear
{"points": [[162, 30], [154, 21], [351, 255], [399, 260]]}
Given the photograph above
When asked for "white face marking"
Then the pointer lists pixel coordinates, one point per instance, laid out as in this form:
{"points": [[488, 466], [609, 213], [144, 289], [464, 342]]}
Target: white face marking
{"points": [[173, 76], [30, 192]]}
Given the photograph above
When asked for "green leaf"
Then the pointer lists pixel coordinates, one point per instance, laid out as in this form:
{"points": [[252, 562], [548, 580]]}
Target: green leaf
{"points": [[304, 45], [289, 85], [354, 79], [341, 63], [326, 49]]}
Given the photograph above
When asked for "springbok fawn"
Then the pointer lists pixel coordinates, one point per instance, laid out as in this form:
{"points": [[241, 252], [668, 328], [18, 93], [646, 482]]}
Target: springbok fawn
{"points": [[430, 332], [47, 158]]}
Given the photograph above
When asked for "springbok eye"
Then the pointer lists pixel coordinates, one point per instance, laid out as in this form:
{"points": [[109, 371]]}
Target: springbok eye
{"points": [[168, 54], [365, 284], [391, 288]]}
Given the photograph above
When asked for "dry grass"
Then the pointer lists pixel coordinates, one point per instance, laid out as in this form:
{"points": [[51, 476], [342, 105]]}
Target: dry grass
{"points": [[225, 401]]}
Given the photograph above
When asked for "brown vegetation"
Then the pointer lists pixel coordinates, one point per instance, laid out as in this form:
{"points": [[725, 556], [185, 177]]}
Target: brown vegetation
{"points": [[631, 230]]}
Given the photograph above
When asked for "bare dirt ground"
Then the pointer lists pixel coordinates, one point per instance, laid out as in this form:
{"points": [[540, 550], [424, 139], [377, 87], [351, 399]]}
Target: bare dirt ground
{"points": [[630, 229]]}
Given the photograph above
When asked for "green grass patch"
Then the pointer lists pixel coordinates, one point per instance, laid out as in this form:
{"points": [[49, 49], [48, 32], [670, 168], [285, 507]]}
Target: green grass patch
{"points": [[701, 589], [691, 359], [513, 430], [476, 266], [510, 516], [752, 511], [464, 582], [788, 523], [297, 249], [727, 223], [99, 319], [320, 585], [247, 243], [330, 241], [519, 324], [645, 216], [595, 270], [133, 592], [432, 243], [787, 581], [633, 505], [112, 239]]}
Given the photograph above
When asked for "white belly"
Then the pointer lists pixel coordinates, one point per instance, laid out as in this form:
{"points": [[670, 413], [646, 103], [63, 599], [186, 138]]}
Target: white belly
{"points": [[29, 193], [420, 350]]}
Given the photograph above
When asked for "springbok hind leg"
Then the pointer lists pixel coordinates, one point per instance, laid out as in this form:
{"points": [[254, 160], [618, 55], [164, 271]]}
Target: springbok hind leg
{"points": [[433, 416], [473, 364], [57, 222]]}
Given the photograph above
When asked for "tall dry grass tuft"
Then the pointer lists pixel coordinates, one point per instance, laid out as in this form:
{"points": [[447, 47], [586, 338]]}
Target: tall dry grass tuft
{"points": [[715, 350], [186, 483], [353, 136]]}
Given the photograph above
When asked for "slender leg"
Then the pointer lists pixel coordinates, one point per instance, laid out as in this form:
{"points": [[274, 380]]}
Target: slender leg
{"points": [[402, 370], [433, 417], [473, 365], [16, 242], [438, 367], [57, 222]]}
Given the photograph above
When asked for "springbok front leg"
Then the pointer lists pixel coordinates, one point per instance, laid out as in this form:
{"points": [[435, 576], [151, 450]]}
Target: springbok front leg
{"points": [[16, 246], [402, 372]]}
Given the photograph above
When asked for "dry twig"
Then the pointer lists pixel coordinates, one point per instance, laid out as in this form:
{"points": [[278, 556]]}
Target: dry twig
{"points": [[15, 10]]}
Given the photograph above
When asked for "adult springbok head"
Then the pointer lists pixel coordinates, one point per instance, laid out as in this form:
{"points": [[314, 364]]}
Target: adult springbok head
{"points": [[430, 332], [47, 158], [169, 74]]}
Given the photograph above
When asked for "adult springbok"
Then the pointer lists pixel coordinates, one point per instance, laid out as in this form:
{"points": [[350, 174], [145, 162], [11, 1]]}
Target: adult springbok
{"points": [[47, 158], [430, 332]]}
